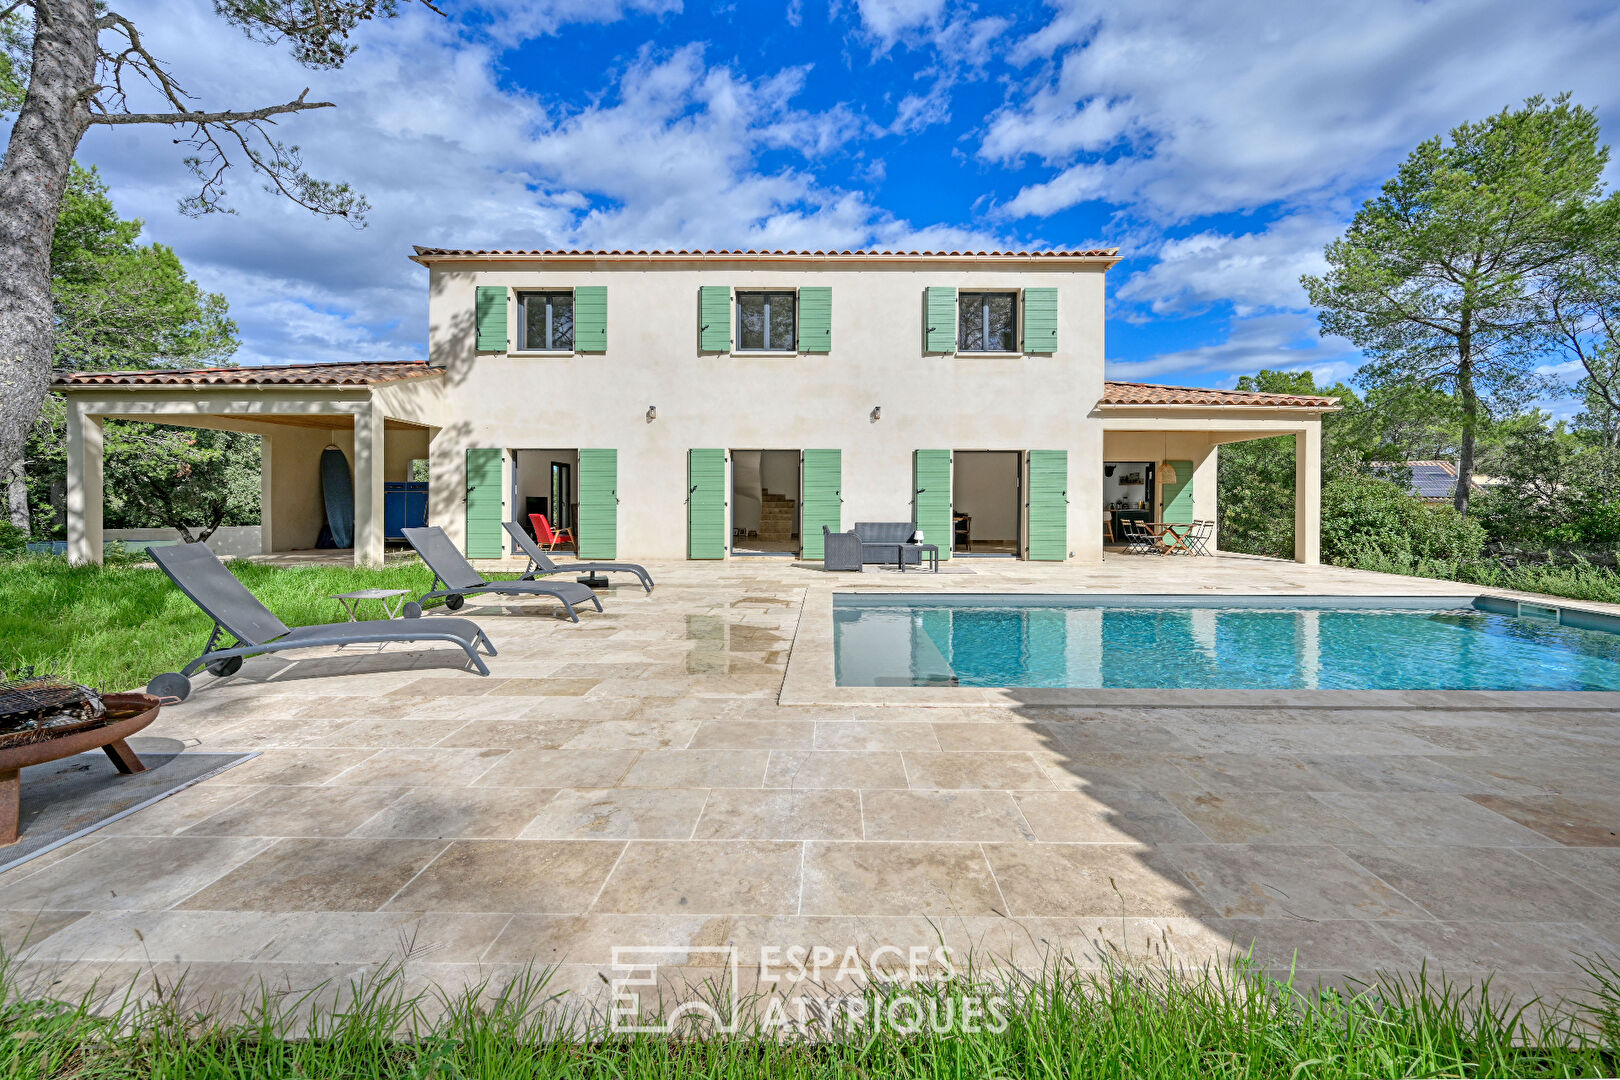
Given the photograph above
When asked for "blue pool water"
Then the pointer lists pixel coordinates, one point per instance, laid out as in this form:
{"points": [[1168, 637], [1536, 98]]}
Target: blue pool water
{"points": [[1188, 643]]}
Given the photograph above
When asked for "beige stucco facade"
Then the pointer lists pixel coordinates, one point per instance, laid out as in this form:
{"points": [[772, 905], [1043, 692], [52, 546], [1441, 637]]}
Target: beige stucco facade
{"points": [[878, 395]]}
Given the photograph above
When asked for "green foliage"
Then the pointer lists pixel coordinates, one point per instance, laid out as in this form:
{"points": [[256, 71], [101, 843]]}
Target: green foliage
{"points": [[13, 541], [1364, 514], [1139, 1021], [117, 625], [1438, 279]]}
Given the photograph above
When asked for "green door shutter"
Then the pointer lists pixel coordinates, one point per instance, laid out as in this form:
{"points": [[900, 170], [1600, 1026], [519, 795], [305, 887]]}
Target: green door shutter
{"points": [[940, 316], [714, 318], [705, 504], [1178, 497], [931, 498], [1049, 504], [590, 318], [598, 525], [489, 313], [815, 320], [1040, 320], [821, 499], [484, 503]]}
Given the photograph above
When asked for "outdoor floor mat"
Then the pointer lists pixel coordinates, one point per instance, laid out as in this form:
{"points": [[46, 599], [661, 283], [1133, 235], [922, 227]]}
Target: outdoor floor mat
{"points": [[66, 799]]}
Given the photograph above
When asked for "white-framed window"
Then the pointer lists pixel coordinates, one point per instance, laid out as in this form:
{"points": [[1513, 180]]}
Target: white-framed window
{"points": [[987, 322], [767, 321], [546, 321]]}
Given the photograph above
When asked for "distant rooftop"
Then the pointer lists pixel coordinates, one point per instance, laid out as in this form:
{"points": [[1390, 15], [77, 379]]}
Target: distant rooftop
{"points": [[350, 373]]}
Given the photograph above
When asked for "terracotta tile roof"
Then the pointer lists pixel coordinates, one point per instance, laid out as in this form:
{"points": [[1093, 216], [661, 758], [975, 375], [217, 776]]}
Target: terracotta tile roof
{"points": [[1133, 393], [362, 373], [428, 254]]}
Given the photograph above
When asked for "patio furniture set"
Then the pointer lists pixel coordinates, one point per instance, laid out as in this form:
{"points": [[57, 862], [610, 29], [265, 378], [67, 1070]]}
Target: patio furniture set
{"points": [[877, 543], [1168, 537]]}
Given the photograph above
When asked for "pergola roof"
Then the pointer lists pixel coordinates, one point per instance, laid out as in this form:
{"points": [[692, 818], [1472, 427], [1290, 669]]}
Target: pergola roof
{"points": [[1134, 393], [362, 373]]}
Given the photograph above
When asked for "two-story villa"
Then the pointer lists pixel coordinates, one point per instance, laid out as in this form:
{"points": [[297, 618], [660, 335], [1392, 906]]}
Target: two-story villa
{"points": [[706, 405]]}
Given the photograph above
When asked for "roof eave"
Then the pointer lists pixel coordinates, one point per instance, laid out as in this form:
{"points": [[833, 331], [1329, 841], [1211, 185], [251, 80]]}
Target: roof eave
{"points": [[1106, 262], [1219, 405]]}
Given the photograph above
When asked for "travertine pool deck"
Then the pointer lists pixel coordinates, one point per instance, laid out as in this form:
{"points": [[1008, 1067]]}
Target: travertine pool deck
{"points": [[633, 780]]}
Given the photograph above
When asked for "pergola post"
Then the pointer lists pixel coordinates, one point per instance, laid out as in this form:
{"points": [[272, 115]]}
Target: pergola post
{"points": [[266, 491], [84, 486], [1308, 494], [368, 485]]}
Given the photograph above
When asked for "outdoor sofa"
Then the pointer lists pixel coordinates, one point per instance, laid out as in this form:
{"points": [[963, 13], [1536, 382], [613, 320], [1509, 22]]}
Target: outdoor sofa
{"points": [[888, 542], [236, 612]]}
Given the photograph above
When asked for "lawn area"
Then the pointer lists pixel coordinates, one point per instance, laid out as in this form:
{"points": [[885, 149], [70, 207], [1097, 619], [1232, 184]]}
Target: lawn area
{"points": [[113, 627], [1127, 1023]]}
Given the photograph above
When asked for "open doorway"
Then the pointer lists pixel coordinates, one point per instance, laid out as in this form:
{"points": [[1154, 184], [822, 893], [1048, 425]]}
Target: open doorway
{"points": [[765, 502], [1128, 488], [543, 484], [985, 503]]}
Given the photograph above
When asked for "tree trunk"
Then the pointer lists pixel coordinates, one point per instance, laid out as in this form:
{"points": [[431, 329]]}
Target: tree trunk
{"points": [[1470, 405], [17, 496], [53, 119]]}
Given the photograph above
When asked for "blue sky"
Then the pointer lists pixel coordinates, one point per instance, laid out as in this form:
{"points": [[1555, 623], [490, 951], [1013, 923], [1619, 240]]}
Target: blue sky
{"points": [[1219, 144]]}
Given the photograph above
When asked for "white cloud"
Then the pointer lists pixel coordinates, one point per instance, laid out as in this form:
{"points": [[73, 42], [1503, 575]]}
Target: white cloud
{"points": [[1208, 108], [1283, 341], [887, 20], [1253, 272]]}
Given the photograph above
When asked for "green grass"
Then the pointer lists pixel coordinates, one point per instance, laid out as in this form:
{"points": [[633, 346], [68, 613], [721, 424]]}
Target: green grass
{"points": [[1573, 579], [1062, 1023], [115, 626]]}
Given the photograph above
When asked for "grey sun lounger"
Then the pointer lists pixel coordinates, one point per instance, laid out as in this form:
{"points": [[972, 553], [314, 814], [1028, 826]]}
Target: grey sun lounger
{"points": [[452, 570], [540, 564], [236, 612]]}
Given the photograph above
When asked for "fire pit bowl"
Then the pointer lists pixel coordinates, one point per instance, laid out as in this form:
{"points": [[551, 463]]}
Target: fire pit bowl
{"points": [[126, 714]]}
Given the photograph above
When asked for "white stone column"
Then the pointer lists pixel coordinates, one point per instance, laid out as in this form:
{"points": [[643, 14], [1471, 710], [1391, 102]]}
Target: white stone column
{"points": [[368, 485], [84, 486], [1308, 494], [267, 516]]}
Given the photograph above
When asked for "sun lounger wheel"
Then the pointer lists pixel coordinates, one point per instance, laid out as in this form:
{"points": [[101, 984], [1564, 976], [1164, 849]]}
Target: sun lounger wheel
{"points": [[171, 684], [454, 601], [222, 669], [411, 610]]}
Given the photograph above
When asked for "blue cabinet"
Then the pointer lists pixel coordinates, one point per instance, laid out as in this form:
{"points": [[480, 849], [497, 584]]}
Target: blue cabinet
{"points": [[404, 507]]}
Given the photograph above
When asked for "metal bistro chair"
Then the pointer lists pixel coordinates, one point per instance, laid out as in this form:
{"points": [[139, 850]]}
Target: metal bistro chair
{"points": [[1199, 539], [1139, 539]]}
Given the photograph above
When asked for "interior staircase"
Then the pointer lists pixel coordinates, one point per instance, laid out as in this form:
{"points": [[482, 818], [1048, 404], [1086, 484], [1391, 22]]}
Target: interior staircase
{"points": [[775, 517]]}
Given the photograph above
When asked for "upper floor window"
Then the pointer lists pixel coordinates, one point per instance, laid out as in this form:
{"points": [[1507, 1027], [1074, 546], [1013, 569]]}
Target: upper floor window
{"points": [[546, 321], [987, 322], [766, 321]]}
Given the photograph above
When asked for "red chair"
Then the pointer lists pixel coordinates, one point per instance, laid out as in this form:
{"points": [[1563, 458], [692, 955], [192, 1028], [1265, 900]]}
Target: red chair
{"points": [[549, 537]]}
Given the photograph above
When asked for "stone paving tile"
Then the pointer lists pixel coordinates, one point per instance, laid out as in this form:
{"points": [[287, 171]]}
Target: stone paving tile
{"points": [[437, 813], [1255, 773], [775, 814], [592, 939], [704, 877], [554, 687], [560, 768], [697, 768], [975, 770], [1268, 818], [405, 768], [21, 931], [127, 874], [618, 813], [1393, 773], [754, 735], [297, 811], [511, 876], [516, 732], [178, 812], [1099, 816], [295, 766], [1484, 884], [835, 769], [1458, 947], [942, 879], [316, 875], [1594, 868], [1288, 881], [875, 735], [633, 735], [1588, 821], [1090, 881], [942, 815], [1432, 819], [1342, 944]]}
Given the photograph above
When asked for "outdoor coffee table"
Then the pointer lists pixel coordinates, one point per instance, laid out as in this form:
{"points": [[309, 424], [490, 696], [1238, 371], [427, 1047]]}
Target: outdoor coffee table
{"points": [[391, 607]]}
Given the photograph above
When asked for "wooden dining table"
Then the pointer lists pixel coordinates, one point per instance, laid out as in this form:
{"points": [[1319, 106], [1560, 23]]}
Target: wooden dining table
{"points": [[1171, 536]]}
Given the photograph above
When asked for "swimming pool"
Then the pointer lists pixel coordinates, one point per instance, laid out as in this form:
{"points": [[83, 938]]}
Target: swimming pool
{"points": [[1245, 642]]}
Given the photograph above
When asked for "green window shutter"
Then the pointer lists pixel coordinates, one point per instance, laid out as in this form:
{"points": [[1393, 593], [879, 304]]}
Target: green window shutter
{"points": [[931, 496], [940, 316], [1049, 504], [1040, 320], [597, 527], [590, 318], [714, 318], [815, 323], [821, 499], [489, 313], [484, 503], [705, 504], [1177, 498]]}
